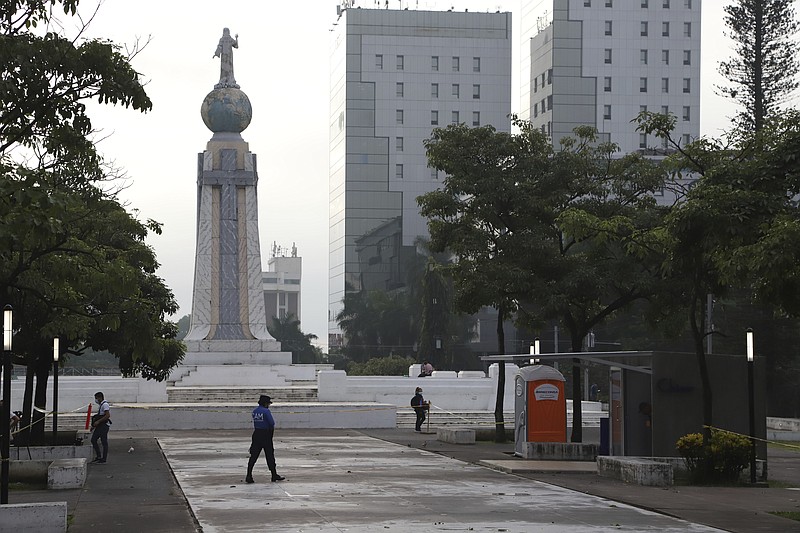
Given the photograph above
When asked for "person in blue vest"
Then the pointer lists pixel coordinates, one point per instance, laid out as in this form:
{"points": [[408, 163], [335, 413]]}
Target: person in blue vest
{"points": [[263, 429]]}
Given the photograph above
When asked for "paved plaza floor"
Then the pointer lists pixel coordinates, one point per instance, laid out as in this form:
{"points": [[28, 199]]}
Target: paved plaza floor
{"points": [[348, 481], [391, 480]]}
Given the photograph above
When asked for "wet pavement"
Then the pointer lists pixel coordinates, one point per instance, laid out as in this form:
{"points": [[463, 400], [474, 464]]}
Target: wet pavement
{"points": [[391, 480]]}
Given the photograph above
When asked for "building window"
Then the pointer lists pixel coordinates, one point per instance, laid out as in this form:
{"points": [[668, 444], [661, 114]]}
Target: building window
{"points": [[398, 171], [435, 63], [664, 85], [609, 3], [607, 56], [687, 85], [456, 64], [456, 90], [454, 117], [550, 102], [587, 3], [434, 174], [643, 57], [665, 110], [687, 113], [379, 61], [434, 118], [434, 90], [687, 29], [536, 109], [606, 112], [398, 144], [549, 76], [401, 62], [607, 84], [642, 109], [665, 57], [543, 106], [665, 29], [399, 116], [476, 64], [687, 57], [476, 118], [642, 85], [643, 28], [399, 89], [645, 4], [476, 92], [665, 4], [687, 4], [543, 73], [608, 27], [642, 140], [686, 139]]}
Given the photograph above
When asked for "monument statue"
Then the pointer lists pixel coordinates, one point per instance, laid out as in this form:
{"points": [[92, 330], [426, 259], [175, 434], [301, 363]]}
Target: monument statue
{"points": [[225, 53]]}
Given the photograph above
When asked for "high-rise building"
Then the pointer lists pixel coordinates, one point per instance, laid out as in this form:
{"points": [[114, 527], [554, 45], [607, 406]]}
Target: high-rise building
{"points": [[282, 283], [396, 75], [602, 62]]}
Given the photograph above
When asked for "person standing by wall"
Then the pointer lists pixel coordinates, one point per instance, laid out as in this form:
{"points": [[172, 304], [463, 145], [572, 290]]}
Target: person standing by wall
{"points": [[263, 430], [101, 423]]}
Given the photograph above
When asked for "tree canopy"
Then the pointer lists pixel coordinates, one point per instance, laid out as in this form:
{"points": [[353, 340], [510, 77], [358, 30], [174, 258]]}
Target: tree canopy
{"points": [[763, 71], [73, 261], [735, 229], [529, 226]]}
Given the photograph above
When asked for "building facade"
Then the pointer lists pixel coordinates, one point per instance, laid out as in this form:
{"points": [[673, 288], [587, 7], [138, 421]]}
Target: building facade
{"points": [[282, 284], [396, 75], [602, 62]]}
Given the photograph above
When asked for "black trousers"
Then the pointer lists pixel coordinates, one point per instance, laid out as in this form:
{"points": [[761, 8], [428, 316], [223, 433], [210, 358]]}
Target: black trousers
{"points": [[262, 441], [420, 418]]}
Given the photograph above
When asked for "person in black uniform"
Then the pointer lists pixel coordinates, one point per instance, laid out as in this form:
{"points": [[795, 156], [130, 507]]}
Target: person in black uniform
{"points": [[263, 429], [420, 406]]}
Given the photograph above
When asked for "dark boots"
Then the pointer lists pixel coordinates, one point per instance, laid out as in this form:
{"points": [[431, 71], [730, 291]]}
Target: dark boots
{"points": [[276, 477]]}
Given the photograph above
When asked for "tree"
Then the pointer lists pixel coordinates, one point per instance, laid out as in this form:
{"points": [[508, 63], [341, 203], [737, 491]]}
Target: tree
{"points": [[73, 261], [527, 226], [286, 329], [376, 323], [763, 74], [476, 217], [738, 227]]}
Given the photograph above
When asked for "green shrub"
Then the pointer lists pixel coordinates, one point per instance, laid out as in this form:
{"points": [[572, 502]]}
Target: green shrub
{"points": [[392, 365], [722, 461]]}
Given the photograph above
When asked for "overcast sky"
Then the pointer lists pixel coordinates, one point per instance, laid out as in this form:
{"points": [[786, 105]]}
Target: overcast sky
{"points": [[282, 64]]}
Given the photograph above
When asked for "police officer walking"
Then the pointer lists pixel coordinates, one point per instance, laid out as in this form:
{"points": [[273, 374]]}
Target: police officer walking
{"points": [[263, 429]]}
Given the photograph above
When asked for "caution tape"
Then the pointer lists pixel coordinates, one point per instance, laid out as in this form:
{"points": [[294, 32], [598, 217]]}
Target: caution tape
{"points": [[774, 442]]}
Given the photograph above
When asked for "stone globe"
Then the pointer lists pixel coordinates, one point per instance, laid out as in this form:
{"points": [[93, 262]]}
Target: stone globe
{"points": [[226, 110]]}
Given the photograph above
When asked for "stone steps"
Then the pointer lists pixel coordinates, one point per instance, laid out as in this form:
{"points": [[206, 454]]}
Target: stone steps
{"points": [[406, 418], [304, 393]]}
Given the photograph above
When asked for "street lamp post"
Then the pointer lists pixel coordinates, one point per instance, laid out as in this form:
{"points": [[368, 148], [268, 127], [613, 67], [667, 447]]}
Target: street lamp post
{"points": [[55, 391], [8, 314], [534, 351], [752, 407]]}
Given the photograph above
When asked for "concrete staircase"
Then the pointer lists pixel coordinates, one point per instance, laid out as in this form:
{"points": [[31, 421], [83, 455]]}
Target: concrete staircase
{"points": [[406, 418], [297, 392]]}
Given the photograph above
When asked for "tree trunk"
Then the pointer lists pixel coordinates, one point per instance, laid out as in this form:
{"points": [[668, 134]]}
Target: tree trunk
{"points": [[500, 430], [27, 405], [40, 399], [758, 67], [577, 412], [698, 332]]}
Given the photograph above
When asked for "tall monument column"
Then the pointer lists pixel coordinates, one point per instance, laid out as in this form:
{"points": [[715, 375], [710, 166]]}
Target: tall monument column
{"points": [[229, 323]]}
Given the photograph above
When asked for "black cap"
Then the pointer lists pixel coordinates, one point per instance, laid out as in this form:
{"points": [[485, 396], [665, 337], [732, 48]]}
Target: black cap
{"points": [[264, 400]]}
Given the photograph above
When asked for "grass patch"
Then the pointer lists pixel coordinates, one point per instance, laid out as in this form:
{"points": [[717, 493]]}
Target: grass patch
{"points": [[791, 515]]}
